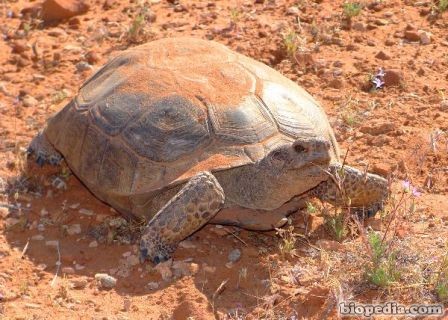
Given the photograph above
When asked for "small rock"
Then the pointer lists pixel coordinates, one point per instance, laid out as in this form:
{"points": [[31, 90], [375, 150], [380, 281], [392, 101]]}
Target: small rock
{"points": [[164, 268], [56, 32], [29, 101], [74, 229], [38, 237], [55, 10], [86, 212], [186, 244], [392, 78], [181, 268], [444, 105], [92, 57], [83, 66], [208, 269], [32, 306], [78, 283], [293, 11], [425, 37], [43, 212], [19, 47], [133, 260], [378, 128], [74, 206], [359, 26], [234, 255], [336, 83], [79, 267], [11, 222], [52, 243], [41, 227], [411, 35], [382, 55], [59, 184], [152, 285], [93, 244], [105, 281], [330, 245], [68, 270]]}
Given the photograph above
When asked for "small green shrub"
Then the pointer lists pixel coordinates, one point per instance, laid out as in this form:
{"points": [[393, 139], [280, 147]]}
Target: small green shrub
{"points": [[383, 268], [351, 9]]}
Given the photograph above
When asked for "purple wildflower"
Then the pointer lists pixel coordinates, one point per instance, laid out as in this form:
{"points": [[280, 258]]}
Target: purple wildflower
{"points": [[378, 83], [409, 188]]}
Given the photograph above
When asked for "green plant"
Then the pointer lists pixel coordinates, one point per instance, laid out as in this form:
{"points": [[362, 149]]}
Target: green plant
{"points": [[337, 224], [383, 269], [235, 16], [351, 9], [442, 5], [291, 42], [288, 237], [136, 32], [441, 281]]}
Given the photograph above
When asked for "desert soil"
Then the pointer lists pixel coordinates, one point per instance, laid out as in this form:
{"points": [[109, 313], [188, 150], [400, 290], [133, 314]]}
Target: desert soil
{"points": [[56, 237]]}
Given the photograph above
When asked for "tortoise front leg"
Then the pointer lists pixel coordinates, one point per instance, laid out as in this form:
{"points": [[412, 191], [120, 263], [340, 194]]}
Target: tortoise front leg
{"points": [[191, 208], [366, 192]]}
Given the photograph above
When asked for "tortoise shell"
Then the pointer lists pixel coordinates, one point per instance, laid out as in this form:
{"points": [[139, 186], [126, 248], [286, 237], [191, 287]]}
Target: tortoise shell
{"points": [[159, 113]]}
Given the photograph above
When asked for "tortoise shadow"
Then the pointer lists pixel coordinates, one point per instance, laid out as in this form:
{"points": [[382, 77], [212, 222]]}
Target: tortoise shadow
{"points": [[55, 225]]}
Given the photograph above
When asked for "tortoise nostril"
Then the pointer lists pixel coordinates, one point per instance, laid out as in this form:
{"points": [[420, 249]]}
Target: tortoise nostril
{"points": [[299, 148]]}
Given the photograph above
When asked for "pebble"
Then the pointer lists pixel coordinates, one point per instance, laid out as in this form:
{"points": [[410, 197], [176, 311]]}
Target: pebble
{"points": [[392, 78], [92, 57], [359, 26], [86, 212], [411, 35], [83, 66], [425, 37], [208, 269], [38, 237], [56, 32], [186, 244], [164, 268], [378, 128], [105, 281], [79, 283], [294, 11], [234, 255], [59, 184], [74, 206], [43, 212], [382, 55], [11, 222], [68, 270], [52, 243], [444, 105], [93, 244], [19, 47], [29, 101], [152, 285], [133, 260], [329, 245], [74, 229], [41, 227]]}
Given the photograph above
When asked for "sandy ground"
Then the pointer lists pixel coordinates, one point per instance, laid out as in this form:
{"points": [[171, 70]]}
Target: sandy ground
{"points": [[399, 130]]}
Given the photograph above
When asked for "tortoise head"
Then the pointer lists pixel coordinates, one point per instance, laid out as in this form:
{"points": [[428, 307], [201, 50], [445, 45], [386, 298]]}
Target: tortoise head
{"points": [[296, 157], [291, 169]]}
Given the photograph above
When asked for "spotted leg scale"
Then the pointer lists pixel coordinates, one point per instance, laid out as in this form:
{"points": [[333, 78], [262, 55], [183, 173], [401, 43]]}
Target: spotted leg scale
{"points": [[191, 208]]}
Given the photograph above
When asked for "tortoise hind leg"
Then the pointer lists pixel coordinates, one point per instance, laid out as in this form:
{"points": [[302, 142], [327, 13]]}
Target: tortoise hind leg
{"points": [[364, 192], [190, 209], [43, 150]]}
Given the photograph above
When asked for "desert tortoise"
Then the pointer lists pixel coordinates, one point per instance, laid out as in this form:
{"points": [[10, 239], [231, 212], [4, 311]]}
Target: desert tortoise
{"points": [[184, 131]]}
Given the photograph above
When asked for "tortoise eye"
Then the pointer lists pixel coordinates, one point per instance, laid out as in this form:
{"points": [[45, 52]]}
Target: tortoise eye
{"points": [[299, 148]]}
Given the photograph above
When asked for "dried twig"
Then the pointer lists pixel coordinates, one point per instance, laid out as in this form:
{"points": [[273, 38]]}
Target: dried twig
{"points": [[58, 266]]}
